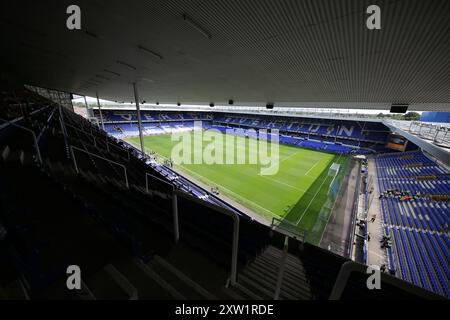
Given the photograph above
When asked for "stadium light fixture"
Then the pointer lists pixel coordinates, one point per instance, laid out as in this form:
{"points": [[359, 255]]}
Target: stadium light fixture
{"points": [[112, 72], [102, 77], [90, 34], [153, 53], [197, 26], [126, 64]]}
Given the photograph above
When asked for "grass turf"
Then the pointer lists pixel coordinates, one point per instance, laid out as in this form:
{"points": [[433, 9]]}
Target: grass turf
{"points": [[297, 193]]}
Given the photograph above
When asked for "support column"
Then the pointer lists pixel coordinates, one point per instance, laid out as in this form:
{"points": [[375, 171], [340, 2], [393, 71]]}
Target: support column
{"points": [[435, 136], [100, 112], [138, 110], [63, 128], [234, 251], [59, 98], [445, 137], [87, 108], [420, 130], [175, 216]]}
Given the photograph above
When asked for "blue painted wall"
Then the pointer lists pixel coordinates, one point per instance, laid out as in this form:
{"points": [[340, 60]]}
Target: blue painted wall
{"points": [[435, 117]]}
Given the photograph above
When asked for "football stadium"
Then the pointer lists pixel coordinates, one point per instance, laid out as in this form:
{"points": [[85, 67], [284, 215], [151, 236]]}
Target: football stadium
{"points": [[225, 150]]}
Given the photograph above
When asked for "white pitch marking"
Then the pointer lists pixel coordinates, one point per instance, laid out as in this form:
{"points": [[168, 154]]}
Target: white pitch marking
{"points": [[286, 184], [312, 168], [245, 199]]}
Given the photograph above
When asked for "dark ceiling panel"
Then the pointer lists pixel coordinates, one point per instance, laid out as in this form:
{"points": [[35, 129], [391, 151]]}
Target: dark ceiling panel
{"points": [[285, 51]]}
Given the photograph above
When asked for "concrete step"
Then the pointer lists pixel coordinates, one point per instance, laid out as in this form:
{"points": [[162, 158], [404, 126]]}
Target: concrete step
{"points": [[182, 276], [107, 285], [294, 272], [294, 287], [16, 290], [176, 279], [257, 287], [147, 287], [161, 282]]}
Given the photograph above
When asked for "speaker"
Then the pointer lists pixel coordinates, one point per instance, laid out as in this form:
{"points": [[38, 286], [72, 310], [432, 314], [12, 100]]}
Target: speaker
{"points": [[399, 108], [211, 104], [230, 102], [269, 106]]}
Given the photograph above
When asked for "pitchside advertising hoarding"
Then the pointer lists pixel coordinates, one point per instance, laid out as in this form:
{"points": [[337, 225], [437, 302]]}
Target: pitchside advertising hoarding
{"points": [[396, 142]]}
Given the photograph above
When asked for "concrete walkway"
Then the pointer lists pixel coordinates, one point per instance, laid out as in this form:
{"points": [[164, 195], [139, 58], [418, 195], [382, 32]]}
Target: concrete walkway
{"points": [[376, 255], [336, 235]]}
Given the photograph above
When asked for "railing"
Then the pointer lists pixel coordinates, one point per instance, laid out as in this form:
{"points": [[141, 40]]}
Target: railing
{"points": [[280, 275], [171, 186], [46, 126], [36, 145], [348, 268], [227, 211], [236, 224], [277, 110], [21, 118], [176, 229], [94, 138], [354, 212], [84, 132], [72, 148], [108, 144], [288, 228], [438, 133]]}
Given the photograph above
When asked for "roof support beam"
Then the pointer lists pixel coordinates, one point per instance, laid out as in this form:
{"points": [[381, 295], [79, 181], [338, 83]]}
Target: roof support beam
{"points": [[136, 99], [100, 112], [87, 108]]}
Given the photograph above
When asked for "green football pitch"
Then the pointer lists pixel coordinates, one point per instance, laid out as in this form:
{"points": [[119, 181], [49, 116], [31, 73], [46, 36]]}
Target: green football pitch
{"points": [[298, 193]]}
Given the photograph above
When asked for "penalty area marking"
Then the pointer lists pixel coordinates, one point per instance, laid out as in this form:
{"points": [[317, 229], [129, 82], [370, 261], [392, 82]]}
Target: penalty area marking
{"points": [[312, 168], [238, 196], [306, 209], [283, 183]]}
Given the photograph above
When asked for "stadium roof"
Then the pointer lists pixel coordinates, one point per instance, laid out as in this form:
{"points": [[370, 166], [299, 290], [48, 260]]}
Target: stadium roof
{"points": [[296, 53]]}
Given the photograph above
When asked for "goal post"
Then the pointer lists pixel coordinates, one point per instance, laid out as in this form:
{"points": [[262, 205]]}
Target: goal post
{"points": [[334, 169], [334, 185]]}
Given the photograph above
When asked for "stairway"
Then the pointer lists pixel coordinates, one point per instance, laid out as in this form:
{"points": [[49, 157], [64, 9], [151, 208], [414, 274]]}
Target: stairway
{"points": [[258, 280]]}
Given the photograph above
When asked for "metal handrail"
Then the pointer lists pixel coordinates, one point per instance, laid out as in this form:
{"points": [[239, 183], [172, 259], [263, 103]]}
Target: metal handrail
{"points": [[159, 179], [281, 269], [96, 155], [231, 213], [46, 126], [118, 147], [95, 140], [294, 231], [36, 145], [21, 118], [176, 229], [236, 223]]}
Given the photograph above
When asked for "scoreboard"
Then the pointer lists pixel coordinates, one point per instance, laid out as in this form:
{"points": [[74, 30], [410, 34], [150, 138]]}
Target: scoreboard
{"points": [[396, 142]]}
